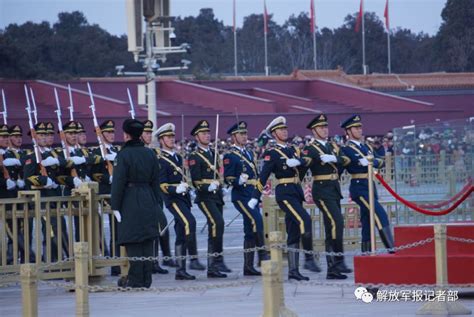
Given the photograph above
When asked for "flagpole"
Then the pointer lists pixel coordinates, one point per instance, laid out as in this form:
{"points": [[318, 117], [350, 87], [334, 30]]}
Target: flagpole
{"points": [[235, 44], [266, 55], [387, 23], [313, 24], [364, 68], [389, 66], [314, 50], [265, 35]]}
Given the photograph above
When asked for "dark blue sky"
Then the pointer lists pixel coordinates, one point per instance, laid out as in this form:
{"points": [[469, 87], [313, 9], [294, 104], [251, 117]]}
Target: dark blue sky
{"points": [[417, 15]]}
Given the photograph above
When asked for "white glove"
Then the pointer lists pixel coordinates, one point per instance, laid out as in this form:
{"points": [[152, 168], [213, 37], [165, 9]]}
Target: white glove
{"points": [[118, 216], [181, 188], [225, 191], [213, 186], [363, 161], [110, 157], [78, 160], [252, 203], [110, 179], [292, 162], [243, 178], [49, 183], [10, 184], [77, 182], [11, 162], [87, 179], [20, 183], [50, 161], [328, 158]]}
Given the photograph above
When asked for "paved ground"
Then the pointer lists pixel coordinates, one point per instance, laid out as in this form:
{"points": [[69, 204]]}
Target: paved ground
{"points": [[305, 300]]}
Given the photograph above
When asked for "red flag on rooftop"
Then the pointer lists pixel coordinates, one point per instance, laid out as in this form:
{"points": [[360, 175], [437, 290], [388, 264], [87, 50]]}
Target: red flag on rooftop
{"points": [[385, 14], [359, 17]]}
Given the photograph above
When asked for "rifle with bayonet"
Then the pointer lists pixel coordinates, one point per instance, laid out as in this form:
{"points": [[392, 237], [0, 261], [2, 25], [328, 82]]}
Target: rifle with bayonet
{"points": [[132, 106], [34, 111], [6, 175], [4, 112], [71, 105], [98, 132], [62, 136], [34, 137]]}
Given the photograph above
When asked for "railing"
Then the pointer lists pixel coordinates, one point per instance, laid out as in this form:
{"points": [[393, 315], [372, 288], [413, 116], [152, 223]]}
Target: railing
{"points": [[42, 230]]}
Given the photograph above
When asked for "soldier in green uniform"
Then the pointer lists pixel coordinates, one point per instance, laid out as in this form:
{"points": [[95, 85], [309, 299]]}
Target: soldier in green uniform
{"points": [[326, 160], [103, 174], [13, 160], [136, 196], [206, 179], [42, 176], [7, 186], [163, 239]]}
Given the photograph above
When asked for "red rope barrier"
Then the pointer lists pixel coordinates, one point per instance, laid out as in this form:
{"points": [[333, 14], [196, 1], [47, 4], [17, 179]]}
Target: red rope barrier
{"points": [[418, 208], [447, 202]]}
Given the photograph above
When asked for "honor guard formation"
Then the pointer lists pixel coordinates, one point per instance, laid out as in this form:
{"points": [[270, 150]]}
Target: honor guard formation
{"points": [[146, 181]]}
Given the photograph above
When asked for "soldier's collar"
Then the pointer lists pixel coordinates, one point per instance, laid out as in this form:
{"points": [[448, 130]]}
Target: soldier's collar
{"points": [[172, 153], [358, 143], [203, 149], [238, 147], [322, 142], [284, 146]]}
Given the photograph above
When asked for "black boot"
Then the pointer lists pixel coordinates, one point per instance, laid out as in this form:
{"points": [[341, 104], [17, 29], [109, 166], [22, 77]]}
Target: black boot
{"points": [[249, 270], [365, 246], [181, 273], [219, 260], [165, 249], [212, 269], [333, 272], [387, 238], [263, 255], [156, 264], [309, 263], [293, 264], [191, 245], [337, 246]]}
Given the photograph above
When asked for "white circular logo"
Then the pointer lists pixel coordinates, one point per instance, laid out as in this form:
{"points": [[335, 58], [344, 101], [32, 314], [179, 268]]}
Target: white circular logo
{"points": [[359, 291], [367, 297]]}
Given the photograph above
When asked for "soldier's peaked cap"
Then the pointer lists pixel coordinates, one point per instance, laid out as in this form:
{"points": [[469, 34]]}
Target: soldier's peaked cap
{"points": [[80, 128], [4, 130], [240, 127], [15, 130], [165, 129], [49, 127], [318, 121], [201, 126], [70, 127], [40, 128], [353, 121], [277, 123], [148, 126], [107, 126]]}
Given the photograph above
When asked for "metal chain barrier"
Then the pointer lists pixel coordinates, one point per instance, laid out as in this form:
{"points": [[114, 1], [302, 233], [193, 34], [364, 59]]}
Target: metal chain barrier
{"points": [[192, 288], [463, 240], [356, 253], [182, 257]]}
